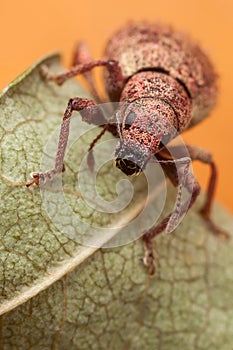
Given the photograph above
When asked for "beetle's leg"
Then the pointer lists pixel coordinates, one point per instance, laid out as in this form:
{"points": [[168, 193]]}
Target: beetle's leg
{"points": [[82, 55], [90, 156], [149, 260], [111, 127], [115, 79], [192, 185], [91, 114], [197, 153]]}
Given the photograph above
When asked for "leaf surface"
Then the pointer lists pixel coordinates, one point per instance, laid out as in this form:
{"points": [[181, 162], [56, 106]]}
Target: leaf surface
{"points": [[57, 293]]}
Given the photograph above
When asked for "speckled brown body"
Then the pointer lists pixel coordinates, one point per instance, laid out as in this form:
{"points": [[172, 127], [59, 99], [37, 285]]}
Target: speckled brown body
{"points": [[150, 47], [164, 84]]}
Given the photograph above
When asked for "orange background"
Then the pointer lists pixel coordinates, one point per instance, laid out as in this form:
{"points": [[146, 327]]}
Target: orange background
{"points": [[29, 31]]}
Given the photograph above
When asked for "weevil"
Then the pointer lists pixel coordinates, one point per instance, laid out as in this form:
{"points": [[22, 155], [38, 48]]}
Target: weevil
{"points": [[171, 85]]}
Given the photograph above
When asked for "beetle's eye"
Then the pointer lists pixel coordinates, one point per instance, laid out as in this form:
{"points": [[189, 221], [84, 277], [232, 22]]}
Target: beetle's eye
{"points": [[164, 140], [129, 120]]}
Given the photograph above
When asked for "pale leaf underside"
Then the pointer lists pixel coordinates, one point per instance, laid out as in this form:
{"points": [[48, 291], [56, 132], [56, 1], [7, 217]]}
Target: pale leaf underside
{"points": [[58, 294]]}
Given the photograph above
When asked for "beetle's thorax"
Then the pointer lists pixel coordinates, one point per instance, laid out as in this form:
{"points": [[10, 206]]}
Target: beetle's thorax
{"points": [[160, 86], [155, 109], [153, 118], [146, 123]]}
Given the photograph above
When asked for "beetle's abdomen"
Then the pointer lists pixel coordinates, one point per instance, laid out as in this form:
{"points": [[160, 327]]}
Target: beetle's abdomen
{"points": [[142, 46]]}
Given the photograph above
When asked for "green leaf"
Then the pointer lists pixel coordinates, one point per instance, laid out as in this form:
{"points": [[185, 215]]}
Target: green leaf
{"points": [[59, 294]]}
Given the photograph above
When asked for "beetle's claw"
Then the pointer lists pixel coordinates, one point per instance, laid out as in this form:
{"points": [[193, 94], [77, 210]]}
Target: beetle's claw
{"points": [[44, 72], [47, 75], [37, 179], [149, 261]]}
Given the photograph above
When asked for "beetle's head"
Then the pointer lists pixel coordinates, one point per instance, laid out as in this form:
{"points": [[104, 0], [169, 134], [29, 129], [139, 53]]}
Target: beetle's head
{"points": [[147, 125], [130, 160]]}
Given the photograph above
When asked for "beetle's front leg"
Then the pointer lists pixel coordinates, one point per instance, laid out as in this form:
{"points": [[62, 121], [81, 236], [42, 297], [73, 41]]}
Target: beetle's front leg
{"points": [[195, 153], [115, 79], [91, 114], [190, 183]]}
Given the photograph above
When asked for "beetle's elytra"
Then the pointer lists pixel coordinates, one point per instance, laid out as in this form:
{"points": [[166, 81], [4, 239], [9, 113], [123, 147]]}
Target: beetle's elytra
{"points": [[168, 85], [156, 48]]}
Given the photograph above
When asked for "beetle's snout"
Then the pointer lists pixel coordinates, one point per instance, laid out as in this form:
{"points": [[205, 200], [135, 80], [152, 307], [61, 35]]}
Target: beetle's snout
{"points": [[127, 166], [131, 158]]}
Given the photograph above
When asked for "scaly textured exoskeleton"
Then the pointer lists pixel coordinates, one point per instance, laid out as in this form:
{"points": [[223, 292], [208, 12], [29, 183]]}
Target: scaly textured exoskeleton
{"points": [[168, 85]]}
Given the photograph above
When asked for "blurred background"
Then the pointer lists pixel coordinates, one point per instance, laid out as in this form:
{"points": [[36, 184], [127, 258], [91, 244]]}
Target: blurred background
{"points": [[30, 30]]}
